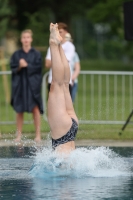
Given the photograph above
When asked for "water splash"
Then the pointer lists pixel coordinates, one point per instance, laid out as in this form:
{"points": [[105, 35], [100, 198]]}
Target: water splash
{"points": [[82, 162]]}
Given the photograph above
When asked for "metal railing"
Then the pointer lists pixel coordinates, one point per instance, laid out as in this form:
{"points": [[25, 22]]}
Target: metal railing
{"points": [[7, 114], [104, 97]]}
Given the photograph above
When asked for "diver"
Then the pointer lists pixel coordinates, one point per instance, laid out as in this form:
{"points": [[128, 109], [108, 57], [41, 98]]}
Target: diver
{"points": [[61, 115]]}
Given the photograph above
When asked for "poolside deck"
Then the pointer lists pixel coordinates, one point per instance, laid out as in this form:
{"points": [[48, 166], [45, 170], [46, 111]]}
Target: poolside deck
{"points": [[86, 143]]}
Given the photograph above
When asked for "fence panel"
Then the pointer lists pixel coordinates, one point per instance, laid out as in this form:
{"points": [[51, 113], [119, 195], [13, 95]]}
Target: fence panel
{"points": [[104, 97], [7, 114]]}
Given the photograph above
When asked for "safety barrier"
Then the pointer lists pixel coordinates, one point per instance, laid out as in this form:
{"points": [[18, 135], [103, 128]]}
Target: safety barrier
{"points": [[103, 97], [7, 114]]}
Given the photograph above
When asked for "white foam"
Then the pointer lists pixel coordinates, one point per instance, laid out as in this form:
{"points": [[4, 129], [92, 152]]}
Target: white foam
{"points": [[82, 162]]}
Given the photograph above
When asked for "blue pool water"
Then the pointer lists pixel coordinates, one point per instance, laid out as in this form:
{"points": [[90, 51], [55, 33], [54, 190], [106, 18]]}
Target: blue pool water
{"points": [[98, 173]]}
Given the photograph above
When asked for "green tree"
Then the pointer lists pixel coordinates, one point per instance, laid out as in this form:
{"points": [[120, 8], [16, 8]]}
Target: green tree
{"points": [[5, 12], [108, 12], [77, 14], [62, 10]]}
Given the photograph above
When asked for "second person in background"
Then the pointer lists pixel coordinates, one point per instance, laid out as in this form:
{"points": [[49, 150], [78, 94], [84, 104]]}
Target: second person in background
{"points": [[69, 50]]}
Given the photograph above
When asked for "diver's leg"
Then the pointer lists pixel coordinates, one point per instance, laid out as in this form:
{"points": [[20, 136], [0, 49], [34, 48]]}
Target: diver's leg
{"points": [[58, 118], [56, 62], [67, 74]]}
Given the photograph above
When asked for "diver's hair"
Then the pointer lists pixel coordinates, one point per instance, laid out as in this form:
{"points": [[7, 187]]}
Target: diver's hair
{"points": [[27, 31], [62, 25]]}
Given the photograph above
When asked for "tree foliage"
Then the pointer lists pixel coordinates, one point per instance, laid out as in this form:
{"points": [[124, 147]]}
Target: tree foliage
{"points": [[105, 11], [5, 12], [81, 16], [109, 12], [62, 10]]}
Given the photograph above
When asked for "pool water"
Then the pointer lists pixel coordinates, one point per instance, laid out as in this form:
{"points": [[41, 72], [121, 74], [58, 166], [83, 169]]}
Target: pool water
{"points": [[93, 173]]}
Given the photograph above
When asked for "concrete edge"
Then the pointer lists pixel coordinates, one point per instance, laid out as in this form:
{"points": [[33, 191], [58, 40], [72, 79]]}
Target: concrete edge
{"points": [[80, 143]]}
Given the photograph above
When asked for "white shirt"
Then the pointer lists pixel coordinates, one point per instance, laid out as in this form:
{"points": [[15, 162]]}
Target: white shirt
{"points": [[69, 50]]}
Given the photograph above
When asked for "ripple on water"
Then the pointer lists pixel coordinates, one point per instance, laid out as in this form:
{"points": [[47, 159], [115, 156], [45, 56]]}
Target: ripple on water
{"points": [[15, 168]]}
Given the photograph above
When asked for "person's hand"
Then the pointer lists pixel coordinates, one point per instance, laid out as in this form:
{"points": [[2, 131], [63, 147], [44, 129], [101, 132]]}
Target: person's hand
{"points": [[23, 63], [73, 80]]}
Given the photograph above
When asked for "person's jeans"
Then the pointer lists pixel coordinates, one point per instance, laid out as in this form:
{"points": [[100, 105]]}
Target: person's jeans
{"points": [[74, 91]]}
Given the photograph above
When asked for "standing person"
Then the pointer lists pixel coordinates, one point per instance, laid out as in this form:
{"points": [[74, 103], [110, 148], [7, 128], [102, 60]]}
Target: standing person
{"points": [[61, 115], [75, 68], [26, 66], [69, 50]]}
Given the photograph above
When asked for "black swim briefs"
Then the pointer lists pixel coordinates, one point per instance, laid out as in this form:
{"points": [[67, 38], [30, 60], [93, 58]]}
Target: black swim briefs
{"points": [[69, 136]]}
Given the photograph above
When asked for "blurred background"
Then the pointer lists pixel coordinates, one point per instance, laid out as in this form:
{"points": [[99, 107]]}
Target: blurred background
{"points": [[97, 29]]}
